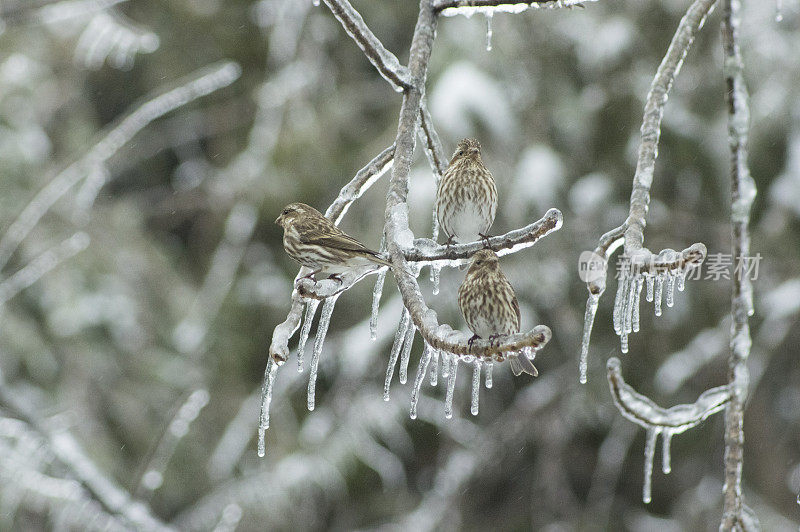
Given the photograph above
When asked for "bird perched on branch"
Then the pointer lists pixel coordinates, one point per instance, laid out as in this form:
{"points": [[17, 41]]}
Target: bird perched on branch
{"points": [[466, 200], [490, 306], [315, 242]]}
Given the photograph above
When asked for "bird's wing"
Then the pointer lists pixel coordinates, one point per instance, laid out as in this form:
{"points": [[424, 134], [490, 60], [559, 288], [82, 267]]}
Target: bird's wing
{"points": [[515, 304]]}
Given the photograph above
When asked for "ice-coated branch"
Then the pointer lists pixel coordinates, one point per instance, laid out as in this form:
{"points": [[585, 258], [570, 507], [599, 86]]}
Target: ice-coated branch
{"points": [[427, 251], [200, 83], [656, 420], [451, 8], [385, 61], [647, 414], [735, 514], [651, 125], [363, 179], [641, 264]]}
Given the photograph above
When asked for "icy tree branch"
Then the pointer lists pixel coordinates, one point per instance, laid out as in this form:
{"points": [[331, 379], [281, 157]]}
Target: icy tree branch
{"points": [[641, 264], [427, 251], [200, 83], [647, 414], [451, 8], [658, 421], [385, 61], [651, 125], [743, 190]]}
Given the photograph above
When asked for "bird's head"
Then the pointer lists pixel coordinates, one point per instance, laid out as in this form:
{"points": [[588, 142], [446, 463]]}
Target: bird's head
{"points": [[468, 148], [485, 258], [293, 211]]}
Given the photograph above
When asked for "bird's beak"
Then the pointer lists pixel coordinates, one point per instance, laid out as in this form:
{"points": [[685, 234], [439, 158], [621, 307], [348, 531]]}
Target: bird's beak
{"points": [[279, 219]]}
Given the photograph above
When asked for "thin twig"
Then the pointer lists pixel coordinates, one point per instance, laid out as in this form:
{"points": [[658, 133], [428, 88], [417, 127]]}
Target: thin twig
{"points": [[385, 61], [427, 251], [651, 125]]}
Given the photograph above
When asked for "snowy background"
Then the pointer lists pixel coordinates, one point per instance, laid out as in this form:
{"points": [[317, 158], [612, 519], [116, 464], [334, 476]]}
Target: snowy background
{"points": [[137, 310]]}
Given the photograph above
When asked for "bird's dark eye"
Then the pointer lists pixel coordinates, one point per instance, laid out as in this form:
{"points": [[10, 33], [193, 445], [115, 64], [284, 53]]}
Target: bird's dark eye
{"points": [[460, 152], [285, 211]]}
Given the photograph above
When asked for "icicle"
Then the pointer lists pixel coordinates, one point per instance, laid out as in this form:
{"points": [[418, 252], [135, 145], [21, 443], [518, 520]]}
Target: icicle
{"points": [[315, 2], [779, 16], [311, 309], [489, 367], [408, 342], [423, 367], [399, 337], [376, 302], [623, 342], [666, 439], [489, 15], [657, 297], [649, 452], [619, 304], [445, 365], [670, 290], [588, 322], [435, 367], [322, 330], [681, 281], [435, 270], [451, 386], [636, 298], [476, 385], [650, 282], [266, 399], [630, 296]]}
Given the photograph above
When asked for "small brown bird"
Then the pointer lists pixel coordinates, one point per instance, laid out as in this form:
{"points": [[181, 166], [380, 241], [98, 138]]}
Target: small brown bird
{"points": [[466, 200], [489, 305], [315, 242]]}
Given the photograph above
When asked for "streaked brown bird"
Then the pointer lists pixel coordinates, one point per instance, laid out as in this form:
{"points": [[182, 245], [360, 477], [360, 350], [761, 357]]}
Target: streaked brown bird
{"points": [[316, 243], [490, 306], [466, 200]]}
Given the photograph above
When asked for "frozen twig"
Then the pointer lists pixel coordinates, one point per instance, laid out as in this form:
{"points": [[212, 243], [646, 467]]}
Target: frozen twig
{"points": [[638, 260], [647, 414], [385, 61], [200, 83], [363, 179], [658, 421], [427, 251], [451, 8], [743, 190], [651, 125]]}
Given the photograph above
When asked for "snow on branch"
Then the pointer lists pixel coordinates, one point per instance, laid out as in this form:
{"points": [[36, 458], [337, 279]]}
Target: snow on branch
{"points": [[657, 420], [638, 264], [384, 60], [199, 83], [736, 515]]}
